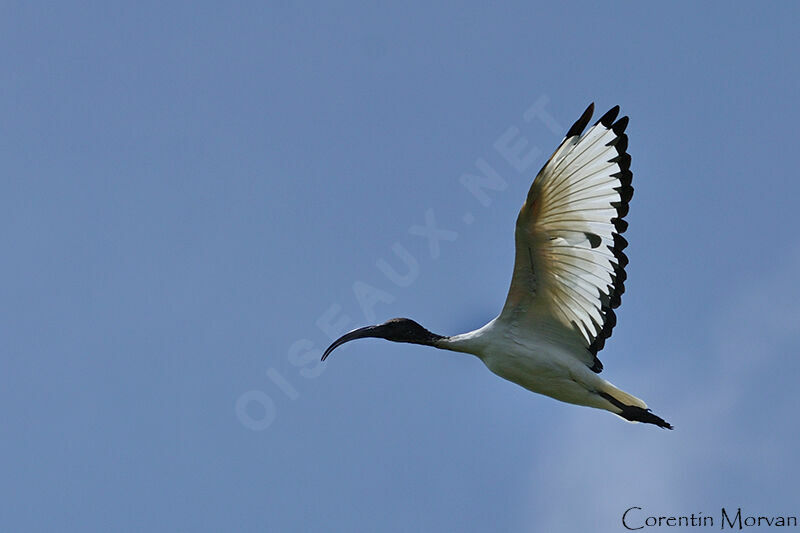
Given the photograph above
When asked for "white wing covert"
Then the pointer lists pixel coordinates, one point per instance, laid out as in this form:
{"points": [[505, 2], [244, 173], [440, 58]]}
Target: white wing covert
{"points": [[570, 264]]}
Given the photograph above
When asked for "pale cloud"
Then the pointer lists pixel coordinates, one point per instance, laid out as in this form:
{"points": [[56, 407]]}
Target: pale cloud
{"points": [[721, 412]]}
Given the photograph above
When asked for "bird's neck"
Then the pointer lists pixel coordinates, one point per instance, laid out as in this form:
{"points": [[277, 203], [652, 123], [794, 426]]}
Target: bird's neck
{"points": [[473, 342]]}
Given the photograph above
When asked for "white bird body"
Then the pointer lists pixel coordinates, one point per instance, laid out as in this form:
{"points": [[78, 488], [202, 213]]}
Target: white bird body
{"points": [[569, 274], [545, 360]]}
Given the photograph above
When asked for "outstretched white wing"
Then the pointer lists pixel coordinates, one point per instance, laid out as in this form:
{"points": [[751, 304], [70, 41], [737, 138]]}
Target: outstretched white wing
{"points": [[569, 264]]}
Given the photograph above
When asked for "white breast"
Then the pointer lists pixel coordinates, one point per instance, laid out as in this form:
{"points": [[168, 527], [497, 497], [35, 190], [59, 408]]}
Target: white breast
{"points": [[538, 359]]}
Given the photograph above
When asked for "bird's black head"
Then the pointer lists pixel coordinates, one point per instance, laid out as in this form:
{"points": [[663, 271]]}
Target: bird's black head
{"points": [[396, 330]]}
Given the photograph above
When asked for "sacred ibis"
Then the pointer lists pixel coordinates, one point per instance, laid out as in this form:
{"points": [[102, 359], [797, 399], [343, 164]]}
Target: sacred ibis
{"points": [[568, 278]]}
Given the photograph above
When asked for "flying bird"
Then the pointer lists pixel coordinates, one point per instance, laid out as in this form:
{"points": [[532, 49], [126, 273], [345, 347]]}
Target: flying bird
{"points": [[569, 274]]}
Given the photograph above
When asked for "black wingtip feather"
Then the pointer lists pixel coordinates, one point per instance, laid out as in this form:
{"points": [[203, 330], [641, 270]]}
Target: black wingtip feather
{"points": [[581, 123], [625, 193], [617, 287], [622, 208], [620, 125], [623, 160], [608, 119], [622, 143], [625, 176]]}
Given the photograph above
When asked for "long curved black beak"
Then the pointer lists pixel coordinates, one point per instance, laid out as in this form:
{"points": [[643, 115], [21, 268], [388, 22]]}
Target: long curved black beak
{"points": [[360, 333]]}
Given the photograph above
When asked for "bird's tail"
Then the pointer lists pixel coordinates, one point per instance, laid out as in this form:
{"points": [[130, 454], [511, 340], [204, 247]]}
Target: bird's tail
{"points": [[630, 407]]}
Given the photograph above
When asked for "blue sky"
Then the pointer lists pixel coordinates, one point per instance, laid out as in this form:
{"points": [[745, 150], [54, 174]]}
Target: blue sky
{"points": [[195, 196]]}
